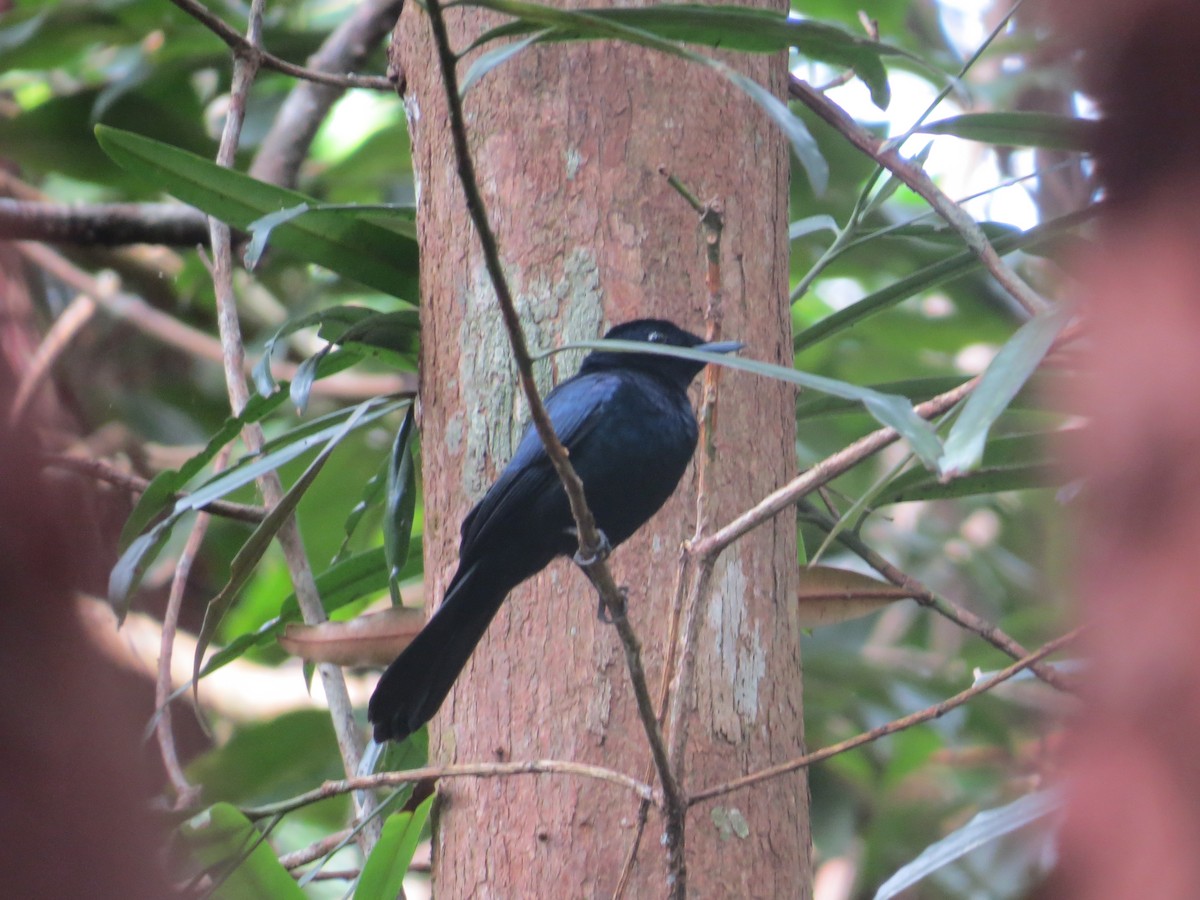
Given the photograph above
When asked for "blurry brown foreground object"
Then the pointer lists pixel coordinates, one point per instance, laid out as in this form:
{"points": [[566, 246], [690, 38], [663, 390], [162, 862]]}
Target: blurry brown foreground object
{"points": [[74, 799], [1133, 828]]}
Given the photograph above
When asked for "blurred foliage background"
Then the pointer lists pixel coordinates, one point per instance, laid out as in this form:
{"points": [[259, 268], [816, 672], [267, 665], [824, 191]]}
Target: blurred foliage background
{"points": [[145, 404]]}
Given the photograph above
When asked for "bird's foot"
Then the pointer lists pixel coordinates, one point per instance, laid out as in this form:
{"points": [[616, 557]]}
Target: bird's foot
{"points": [[611, 613], [602, 552]]}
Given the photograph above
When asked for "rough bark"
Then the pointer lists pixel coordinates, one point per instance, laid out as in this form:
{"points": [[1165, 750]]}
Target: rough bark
{"points": [[568, 140]]}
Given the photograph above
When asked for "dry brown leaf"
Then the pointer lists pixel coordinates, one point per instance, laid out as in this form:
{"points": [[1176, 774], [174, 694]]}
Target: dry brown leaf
{"points": [[370, 640], [829, 595]]}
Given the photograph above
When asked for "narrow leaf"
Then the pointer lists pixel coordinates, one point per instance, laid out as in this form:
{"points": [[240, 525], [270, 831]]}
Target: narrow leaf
{"points": [[401, 502], [362, 575], [493, 58], [1020, 129], [251, 552], [383, 873], [130, 569], [893, 411], [589, 24], [801, 227], [933, 275], [793, 127], [982, 829], [353, 246], [225, 842], [1006, 375], [160, 494], [342, 315], [283, 450], [260, 231], [372, 491], [725, 27]]}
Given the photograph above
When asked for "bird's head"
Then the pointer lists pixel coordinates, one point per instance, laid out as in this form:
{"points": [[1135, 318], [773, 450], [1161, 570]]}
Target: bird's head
{"points": [[655, 331]]}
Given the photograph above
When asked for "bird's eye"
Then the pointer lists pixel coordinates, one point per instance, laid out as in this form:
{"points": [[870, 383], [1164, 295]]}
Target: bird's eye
{"points": [[654, 337]]}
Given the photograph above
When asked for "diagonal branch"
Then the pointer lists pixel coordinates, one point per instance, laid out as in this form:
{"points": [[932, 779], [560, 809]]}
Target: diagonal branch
{"points": [[285, 146], [241, 46], [925, 715], [245, 67], [944, 606], [914, 176]]}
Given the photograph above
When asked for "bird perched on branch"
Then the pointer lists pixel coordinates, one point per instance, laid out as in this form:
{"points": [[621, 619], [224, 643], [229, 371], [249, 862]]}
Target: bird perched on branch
{"points": [[629, 428]]}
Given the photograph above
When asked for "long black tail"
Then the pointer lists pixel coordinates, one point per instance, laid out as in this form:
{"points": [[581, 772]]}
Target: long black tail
{"points": [[418, 680]]}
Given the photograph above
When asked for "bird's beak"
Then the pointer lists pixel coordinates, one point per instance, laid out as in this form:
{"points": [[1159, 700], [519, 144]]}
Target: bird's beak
{"points": [[720, 346]]}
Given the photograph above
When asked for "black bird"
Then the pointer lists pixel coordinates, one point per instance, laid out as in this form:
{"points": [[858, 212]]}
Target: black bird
{"points": [[627, 423]]}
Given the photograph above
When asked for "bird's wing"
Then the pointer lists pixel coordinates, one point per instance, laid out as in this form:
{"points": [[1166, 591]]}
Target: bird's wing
{"points": [[575, 410]]}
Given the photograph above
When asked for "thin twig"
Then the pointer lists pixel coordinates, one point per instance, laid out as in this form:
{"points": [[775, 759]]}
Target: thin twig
{"points": [[285, 146], [241, 46], [73, 319], [712, 225], [589, 538], [944, 606], [462, 770], [170, 331], [245, 65], [925, 715], [679, 684], [914, 176], [185, 792], [315, 850], [135, 484], [820, 474]]}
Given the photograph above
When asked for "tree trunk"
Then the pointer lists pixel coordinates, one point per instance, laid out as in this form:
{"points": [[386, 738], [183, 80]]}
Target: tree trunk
{"points": [[568, 140]]}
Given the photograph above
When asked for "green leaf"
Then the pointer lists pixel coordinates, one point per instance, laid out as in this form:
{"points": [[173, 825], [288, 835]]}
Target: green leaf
{"points": [[221, 839], [917, 390], [984, 828], [162, 489], [256, 545], [345, 316], [485, 62], [933, 275], [283, 449], [574, 24], [398, 219], [401, 503], [354, 578], [383, 873], [888, 409], [893, 182], [811, 224], [941, 233], [269, 760], [352, 246], [1020, 129], [1006, 375], [260, 231], [131, 567], [396, 332], [729, 28], [1012, 463], [918, 484], [793, 127], [372, 490]]}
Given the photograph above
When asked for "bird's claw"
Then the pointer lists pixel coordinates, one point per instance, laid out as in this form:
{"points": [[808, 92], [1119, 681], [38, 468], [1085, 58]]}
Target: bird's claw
{"points": [[612, 614], [602, 551]]}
